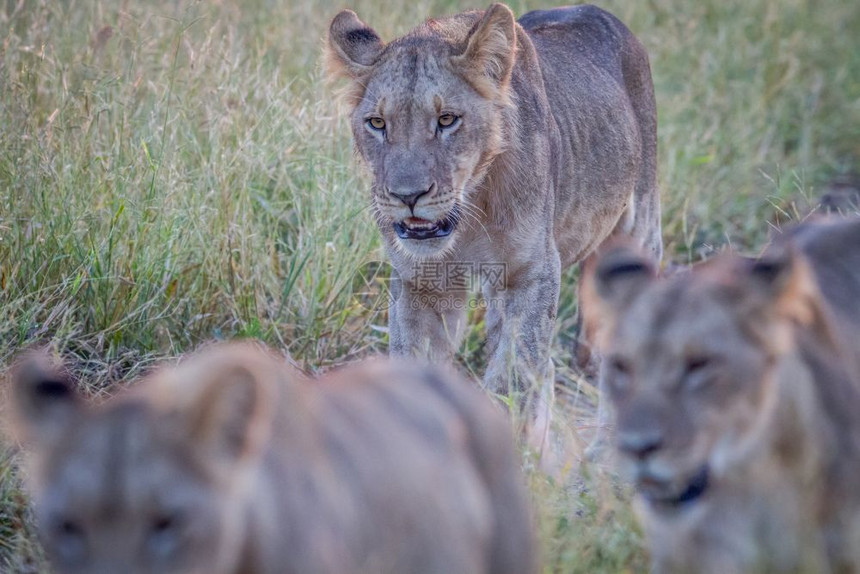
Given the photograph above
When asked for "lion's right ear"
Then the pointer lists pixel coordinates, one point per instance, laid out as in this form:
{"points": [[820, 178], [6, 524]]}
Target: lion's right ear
{"points": [[611, 282], [620, 273], [352, 46], [42, 401]]}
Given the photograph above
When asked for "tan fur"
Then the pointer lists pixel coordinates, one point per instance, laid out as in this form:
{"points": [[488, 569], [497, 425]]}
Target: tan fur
{"points": [[488, 59], [554, 151], [740, 371], [232, 462]]}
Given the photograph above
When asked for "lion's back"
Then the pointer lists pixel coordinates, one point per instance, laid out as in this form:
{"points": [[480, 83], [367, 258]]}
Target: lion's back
{"points": [[597, 81], [585, 32], [414, 472]]}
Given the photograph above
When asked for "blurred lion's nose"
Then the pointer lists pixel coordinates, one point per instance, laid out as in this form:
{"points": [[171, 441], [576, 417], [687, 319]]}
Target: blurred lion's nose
{"points": [[410, 198], [640, 444]]}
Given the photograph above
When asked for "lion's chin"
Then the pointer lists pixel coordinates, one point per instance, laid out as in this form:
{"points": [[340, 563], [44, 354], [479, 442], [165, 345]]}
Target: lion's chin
{"points": [[428, 248]]}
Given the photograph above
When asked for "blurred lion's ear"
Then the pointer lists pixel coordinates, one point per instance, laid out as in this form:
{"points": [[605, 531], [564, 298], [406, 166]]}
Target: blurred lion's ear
{"points": [[231, 416], [42, 400], [782, 279], [773, 291], [619, 274], [611, 281], [352, 46], [488, 56]]}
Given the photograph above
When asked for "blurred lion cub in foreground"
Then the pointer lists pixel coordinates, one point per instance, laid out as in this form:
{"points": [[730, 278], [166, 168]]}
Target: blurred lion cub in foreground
{"points": [[737, 402], [233, 463]]}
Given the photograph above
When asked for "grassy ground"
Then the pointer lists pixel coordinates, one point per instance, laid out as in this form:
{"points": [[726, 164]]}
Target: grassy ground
{"points": [[174, 172]]}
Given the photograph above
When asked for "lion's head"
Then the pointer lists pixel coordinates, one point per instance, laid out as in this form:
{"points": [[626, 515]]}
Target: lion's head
{"points": [[127, 486], [691, 361], [427, 117]]}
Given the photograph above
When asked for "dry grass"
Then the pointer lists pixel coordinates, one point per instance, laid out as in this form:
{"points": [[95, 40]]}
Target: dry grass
{"points": [[172, 173]]}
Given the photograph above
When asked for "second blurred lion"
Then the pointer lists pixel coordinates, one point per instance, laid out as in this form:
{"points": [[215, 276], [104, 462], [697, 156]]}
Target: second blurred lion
{"points": [[231, 462]]}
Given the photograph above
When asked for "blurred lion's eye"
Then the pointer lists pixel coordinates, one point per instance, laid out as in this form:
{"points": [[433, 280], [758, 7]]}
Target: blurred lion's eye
{"points": [[618, 375], [163, 523], [695, 364], [69, 527], [68, 542], [619, 365], [447, 120], [165, 534], [376, 123], [697, 371]]}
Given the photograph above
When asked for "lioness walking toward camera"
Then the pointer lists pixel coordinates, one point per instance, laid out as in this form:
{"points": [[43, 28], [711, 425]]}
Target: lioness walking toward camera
{"points": [[231, 463], [737, 392], [502, 151]]}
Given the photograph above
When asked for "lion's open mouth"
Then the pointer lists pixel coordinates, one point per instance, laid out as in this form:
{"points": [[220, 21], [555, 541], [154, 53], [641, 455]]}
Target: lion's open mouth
{"points": [[665, 493], [418, 228]]}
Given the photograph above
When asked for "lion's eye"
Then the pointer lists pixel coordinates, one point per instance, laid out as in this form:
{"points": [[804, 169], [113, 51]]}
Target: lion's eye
{"points": [[69, 541], [165, 534], [697, 371], [619, 374], [164, 523], [619, 365], [376, 123], [696, 364], [447, 120], [69, 528]]}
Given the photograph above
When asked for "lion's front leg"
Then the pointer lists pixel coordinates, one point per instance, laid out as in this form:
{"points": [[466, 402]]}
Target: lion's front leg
{"points": [[424, 321], [520, 320]]}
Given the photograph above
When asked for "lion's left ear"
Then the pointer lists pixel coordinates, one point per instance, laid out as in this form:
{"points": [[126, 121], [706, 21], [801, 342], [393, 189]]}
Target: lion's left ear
{"points": [[488, 57]]}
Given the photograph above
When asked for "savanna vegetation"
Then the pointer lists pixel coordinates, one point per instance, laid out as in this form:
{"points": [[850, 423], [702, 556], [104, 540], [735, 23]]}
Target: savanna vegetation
{"points": [[177, 172]]}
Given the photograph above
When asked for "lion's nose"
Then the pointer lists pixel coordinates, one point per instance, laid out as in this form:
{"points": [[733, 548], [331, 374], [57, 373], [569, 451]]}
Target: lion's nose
{"points": [[410, 198], [640, 444]]}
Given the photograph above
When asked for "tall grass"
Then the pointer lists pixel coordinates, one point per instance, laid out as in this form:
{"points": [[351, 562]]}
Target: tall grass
{"points": [[174, 172]]}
